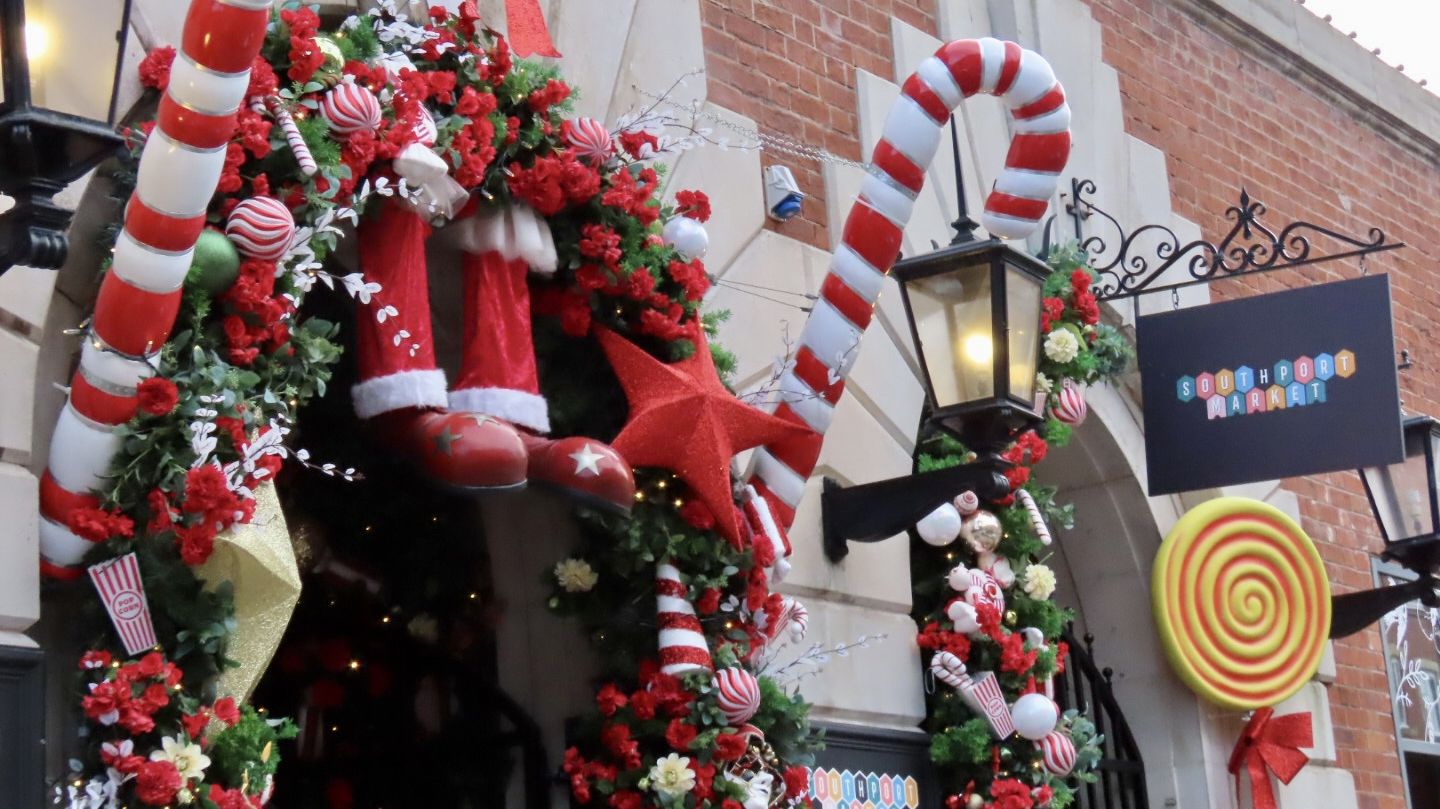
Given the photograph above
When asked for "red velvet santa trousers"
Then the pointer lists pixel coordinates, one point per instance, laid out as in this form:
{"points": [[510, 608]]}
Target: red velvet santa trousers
{"points": [[497, 374], [396, 358]]}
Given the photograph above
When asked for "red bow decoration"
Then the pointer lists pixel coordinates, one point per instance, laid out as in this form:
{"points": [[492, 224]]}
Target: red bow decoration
{"points": [[525, 23], [1271, 743]]}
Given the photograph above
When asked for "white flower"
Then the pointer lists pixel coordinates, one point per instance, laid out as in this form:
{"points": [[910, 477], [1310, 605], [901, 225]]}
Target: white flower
{"points": [[575, 575], [1039, 581], [672, 775], [187, 757], [1062, 345], [1043, 384]]}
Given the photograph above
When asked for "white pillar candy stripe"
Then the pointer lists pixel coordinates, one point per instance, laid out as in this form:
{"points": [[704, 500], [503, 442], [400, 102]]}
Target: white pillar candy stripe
{"points": [[870, 241], [682, 640], [180, 167]]}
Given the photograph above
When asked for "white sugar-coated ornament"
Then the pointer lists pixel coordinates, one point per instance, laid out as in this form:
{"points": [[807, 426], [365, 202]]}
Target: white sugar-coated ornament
{"points": [[1068, 405], [958, 578], [985, 590], [349, 108], [1057, 753], [589, 139], [1034, 638], [1034, 716], [737, 692], [687, 236], [940, 527], [982, 531], [967, 503], [261, 228], [963, 615]]}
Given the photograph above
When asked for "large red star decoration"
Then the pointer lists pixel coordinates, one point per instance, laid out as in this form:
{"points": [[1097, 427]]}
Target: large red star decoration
{"points": [[683, 419]]}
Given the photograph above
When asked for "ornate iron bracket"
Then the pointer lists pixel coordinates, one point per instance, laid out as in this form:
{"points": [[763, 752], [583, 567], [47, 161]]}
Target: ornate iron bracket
{"points": [[1143, 255]]}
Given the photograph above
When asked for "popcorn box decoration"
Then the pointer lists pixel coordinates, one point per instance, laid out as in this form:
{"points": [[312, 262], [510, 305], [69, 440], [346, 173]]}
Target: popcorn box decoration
{"points": [[983, 696], [123, 594]]}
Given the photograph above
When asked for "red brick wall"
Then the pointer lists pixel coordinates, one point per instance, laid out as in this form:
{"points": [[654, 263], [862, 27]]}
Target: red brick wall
{"points": [[789, 65], [1224, 119]]}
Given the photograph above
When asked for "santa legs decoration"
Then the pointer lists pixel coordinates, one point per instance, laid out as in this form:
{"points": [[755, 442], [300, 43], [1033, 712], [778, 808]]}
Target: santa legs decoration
{"points": [[486, 433]]}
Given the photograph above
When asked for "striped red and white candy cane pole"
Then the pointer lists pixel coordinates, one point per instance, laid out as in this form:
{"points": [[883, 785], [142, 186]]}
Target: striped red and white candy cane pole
{"points": [[282, 116], [870, 241], [179, 170], [1037, 520], [682, 639]]}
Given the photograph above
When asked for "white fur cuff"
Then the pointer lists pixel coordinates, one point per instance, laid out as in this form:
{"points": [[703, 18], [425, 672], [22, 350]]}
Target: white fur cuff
{"points": [[515, 406], [399, 390]]}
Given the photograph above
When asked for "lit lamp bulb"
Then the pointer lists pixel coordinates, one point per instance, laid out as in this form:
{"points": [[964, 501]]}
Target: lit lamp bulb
{"points": [[978, 349], [37, 40]]}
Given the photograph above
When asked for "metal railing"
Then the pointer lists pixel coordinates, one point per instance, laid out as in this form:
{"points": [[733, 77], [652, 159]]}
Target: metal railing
{"points": [[1086, 687]]}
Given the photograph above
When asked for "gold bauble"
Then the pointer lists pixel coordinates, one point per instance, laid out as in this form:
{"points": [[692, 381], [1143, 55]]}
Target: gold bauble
{"points": [[334, 64], [1010, 617]]}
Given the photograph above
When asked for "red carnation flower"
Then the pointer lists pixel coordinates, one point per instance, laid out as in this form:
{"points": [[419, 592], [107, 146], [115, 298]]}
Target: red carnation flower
{"points": [[694, 204], [797, 782], [708, 602], [610, 699], [729, 746], [98, 525], [1010, 793], [157, 782], [196, 542], [643, 704], [157, 395], [679, 734], [155, 68], [226, 710]]}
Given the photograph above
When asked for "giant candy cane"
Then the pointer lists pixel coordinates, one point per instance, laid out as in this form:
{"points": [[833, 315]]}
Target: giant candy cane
{"points": [[870, 241], [179, 171]]}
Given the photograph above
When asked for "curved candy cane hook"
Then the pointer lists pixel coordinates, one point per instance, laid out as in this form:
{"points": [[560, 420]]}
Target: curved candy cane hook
{"points": [[870, 241]]}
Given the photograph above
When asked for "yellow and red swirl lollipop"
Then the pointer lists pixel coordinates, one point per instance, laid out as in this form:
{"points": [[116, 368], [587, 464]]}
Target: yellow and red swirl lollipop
{"points": [[1242, 603]]}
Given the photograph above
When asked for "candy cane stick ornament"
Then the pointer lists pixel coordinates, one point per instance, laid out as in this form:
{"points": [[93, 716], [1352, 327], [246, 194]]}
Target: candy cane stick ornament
{"points": [[179, 170], [282, 116], [1037, 520], [870, 240]]}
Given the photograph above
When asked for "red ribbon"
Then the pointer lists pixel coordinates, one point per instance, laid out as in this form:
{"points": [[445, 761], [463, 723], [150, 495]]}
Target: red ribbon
{"points": [[525, 23], [1271, 743]]}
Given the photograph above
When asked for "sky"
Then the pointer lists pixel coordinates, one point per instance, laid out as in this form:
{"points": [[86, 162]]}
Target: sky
{"points": [[1403, 30]]}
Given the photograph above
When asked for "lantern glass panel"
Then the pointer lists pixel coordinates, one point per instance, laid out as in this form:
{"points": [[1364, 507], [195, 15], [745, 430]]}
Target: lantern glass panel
{"points": [[1401, 492], [1022, 303], [72, 49], [954, 322]]}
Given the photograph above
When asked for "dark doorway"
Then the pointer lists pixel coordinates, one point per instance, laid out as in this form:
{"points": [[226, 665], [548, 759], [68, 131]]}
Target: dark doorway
{"points": [[389, 663]]}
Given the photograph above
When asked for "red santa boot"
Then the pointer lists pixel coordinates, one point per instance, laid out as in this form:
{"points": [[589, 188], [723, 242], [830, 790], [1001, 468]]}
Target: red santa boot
{"points": [[498, 377], [401, 391]]}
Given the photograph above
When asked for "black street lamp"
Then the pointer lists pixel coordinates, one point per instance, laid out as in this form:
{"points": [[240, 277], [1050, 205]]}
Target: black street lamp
{"points": [[974, 313], [57, 117], [1405, 497]]}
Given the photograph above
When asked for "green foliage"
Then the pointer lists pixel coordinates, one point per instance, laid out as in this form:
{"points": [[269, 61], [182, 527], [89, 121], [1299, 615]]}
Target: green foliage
{"points": [[245, 753]]}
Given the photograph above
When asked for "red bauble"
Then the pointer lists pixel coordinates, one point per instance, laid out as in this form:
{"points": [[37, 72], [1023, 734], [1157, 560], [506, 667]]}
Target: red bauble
{"points": [[683, 419]]}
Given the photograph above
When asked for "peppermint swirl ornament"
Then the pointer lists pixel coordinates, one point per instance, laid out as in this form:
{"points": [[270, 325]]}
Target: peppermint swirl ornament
{"points": [[261, 228], [589, 139], [1068, 405], [985, 590], [1242, 603], [349, 108], [1057, 753], [737, 692]]}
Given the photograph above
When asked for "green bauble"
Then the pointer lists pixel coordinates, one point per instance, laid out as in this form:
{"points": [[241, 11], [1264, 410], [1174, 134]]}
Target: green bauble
{"points": [[215, 265]]}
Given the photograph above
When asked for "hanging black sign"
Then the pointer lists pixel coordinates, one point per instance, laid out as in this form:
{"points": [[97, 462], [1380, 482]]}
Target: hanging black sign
{"points": [[1273, 386], [873, 767]]}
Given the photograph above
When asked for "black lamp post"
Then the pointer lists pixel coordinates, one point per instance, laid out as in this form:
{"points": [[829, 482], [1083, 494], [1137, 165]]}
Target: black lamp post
{"points": [[1406, 501], [57, 117], [974, 313]]}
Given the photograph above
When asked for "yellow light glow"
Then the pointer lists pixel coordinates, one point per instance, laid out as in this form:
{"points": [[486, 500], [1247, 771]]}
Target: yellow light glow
{"points": [[37, 40], [978, 348], [354, 665]]}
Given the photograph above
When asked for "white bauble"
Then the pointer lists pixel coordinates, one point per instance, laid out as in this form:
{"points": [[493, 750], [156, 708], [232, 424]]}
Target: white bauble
{"points": [[687, 236], [1034, 716], [940, 527]]}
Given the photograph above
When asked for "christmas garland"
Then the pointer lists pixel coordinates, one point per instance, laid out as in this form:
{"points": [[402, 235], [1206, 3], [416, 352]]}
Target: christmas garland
{"points": [[245, 357], [985, 601]]}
